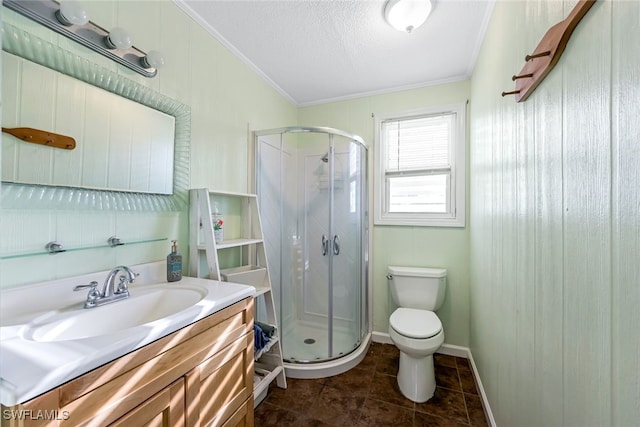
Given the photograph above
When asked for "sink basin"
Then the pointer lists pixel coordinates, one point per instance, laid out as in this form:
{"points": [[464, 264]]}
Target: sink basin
{"points": [[47, 338], [141, 308]]}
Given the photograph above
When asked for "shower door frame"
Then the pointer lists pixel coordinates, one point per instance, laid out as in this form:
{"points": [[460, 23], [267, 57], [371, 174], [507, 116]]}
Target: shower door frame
{"points": [[366, 315]]}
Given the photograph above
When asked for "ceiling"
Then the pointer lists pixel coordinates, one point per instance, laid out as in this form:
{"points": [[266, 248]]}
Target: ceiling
{"points": [[319, 51]]}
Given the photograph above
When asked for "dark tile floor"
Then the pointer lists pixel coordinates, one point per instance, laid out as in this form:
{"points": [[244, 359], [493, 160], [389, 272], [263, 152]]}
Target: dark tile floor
{"points": [[368, 395]]}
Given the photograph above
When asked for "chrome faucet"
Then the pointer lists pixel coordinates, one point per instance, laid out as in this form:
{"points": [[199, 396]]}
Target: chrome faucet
{"points": [[110, 290]]}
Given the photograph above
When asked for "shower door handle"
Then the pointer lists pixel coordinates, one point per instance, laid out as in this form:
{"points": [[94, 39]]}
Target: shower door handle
{"points": [[336, 245], [325, 245]]}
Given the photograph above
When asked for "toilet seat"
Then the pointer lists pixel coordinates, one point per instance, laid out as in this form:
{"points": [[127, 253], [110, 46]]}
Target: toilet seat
{"points": [[414, 323]]}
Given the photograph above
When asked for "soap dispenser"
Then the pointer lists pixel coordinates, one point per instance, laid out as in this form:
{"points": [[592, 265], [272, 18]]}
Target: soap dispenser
{"points": [[174, 264]]}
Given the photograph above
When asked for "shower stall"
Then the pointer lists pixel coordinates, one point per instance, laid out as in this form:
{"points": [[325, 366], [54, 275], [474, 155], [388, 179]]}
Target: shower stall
{"points": [[312, 191]]}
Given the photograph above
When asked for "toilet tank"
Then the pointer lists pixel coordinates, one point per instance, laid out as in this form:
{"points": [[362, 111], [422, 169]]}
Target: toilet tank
{"points": [[417, 287]]}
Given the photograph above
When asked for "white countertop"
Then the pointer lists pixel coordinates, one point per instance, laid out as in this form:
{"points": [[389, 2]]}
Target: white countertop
{"points": [[29, 368]]}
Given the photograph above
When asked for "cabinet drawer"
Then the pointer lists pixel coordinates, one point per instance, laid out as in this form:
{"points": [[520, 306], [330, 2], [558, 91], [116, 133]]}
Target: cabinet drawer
{"points": [[243, 417], [166, 408], [219, 386]]}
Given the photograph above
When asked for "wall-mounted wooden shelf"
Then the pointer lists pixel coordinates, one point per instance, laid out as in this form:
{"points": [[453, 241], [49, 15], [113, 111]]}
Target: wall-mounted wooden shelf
{"points": [[548, 52]]}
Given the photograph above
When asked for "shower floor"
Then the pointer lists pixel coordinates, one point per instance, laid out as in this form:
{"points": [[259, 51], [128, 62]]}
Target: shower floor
{"points": [[305, 341]]}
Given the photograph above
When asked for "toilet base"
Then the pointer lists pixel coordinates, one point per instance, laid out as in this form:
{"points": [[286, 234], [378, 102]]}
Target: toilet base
{"points": [[416, 377]]}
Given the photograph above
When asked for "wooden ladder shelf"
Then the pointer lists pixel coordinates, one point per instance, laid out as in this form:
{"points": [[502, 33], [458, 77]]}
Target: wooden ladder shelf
{"points": [[242, 246]]}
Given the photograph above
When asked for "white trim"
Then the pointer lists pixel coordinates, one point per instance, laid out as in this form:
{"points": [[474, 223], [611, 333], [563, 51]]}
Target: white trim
{"points": [[358, 95], [208, 28], [483, 395], [452, 350], [381, 337], [458, 177], [480, 38]]}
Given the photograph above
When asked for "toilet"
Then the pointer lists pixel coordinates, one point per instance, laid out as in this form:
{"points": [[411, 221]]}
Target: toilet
{"points": [[414, 327]]}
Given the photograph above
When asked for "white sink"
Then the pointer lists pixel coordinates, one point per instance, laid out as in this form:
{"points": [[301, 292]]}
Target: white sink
{"points": [[47, 338], [144, 306]]}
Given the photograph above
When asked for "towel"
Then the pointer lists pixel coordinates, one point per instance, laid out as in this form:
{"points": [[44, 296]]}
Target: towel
{"points": [[260, 339], [261, 342], [268, 330]]}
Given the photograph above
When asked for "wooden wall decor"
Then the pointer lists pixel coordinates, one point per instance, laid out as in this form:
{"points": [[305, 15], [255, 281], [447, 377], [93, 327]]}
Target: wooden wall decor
{"points": [[37, 136], [547, 54]]}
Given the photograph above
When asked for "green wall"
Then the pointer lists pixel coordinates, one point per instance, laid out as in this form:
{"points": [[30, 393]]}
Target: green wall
{"points": [[555, 227], [226, 99], [544, 282], [407, 246]]}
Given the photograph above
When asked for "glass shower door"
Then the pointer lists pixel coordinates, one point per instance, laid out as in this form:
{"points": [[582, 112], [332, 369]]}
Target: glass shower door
{"points": [[314, 333], [346, 241], [312, 194]]}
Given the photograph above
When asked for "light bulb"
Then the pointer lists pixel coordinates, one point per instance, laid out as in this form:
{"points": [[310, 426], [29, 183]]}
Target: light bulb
{"points": [[407, 15], [154, 59], [118, 38], [72, 12]]}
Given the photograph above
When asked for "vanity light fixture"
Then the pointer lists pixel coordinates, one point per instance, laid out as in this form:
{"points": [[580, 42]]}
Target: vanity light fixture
{"points": [[72, 13], [154, 59], [407, 15], [71, 20], [118, 38]]}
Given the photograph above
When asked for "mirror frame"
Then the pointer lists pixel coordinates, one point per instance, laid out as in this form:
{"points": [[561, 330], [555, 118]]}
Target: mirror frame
{"points": [[30, 196]]}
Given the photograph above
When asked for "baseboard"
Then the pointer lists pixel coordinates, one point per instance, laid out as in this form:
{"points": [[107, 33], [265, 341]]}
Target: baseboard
{"points": [[452, 350], [483, 396], [381, 337], [449, 349]]}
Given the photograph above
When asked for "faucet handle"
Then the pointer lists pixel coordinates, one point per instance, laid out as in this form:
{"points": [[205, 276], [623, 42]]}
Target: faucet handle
{"points": [[93, 294], [123, 285], [93, 285]]}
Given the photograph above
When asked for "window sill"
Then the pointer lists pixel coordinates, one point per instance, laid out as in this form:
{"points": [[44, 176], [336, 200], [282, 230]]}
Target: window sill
{"points": [[411, 222]]}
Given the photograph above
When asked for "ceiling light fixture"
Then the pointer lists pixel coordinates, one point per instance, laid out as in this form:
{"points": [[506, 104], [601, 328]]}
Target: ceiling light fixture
{"points": [[70, 19], [407, 15]]}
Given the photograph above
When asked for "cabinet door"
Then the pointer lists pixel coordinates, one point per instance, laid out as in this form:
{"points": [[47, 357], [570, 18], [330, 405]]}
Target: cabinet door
{"points": [[221, 385], [243, 417], [165, 408]]}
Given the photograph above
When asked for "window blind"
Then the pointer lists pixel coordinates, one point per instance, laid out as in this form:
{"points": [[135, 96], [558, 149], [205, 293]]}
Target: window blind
{"points": [[418, 144]]}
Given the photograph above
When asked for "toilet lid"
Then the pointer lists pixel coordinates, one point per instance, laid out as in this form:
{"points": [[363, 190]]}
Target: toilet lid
{"points": [[414, 323]]}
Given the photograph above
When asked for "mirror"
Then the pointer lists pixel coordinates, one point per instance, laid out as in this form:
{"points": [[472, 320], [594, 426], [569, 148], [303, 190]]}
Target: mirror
{"points": [[121, 145], [167, 168]]}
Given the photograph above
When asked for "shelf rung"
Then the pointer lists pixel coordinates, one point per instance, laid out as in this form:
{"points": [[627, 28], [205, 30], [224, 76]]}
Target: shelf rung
{"points": [[261, 291], [234, 243], [264, 383]]}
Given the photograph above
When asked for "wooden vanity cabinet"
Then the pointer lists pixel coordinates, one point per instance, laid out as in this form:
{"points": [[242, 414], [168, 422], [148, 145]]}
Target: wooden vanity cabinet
{"points": [[200, 375], [165, 408]]}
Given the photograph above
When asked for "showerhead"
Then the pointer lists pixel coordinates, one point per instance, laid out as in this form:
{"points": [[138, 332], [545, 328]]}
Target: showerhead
{"points": [[325, 158]]}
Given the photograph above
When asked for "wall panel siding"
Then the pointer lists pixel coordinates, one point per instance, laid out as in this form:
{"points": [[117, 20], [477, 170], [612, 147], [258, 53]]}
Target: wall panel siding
{"points": [[587, 220], [556, 215], [547, 217], [626, 221]]}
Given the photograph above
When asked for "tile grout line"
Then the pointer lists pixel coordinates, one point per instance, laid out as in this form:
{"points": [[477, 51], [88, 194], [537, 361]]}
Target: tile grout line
{"points": [[464, 399]]}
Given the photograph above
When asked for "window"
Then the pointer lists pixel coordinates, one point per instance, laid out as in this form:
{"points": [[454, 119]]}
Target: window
{"points": [[420, 161]]}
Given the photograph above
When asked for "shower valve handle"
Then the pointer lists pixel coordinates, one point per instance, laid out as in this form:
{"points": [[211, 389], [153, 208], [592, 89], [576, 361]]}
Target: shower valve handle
{"points": [[336, 245], [325, 245]]}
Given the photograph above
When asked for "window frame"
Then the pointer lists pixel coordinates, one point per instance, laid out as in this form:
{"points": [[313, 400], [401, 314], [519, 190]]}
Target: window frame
{"points": [[457, 190]]}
